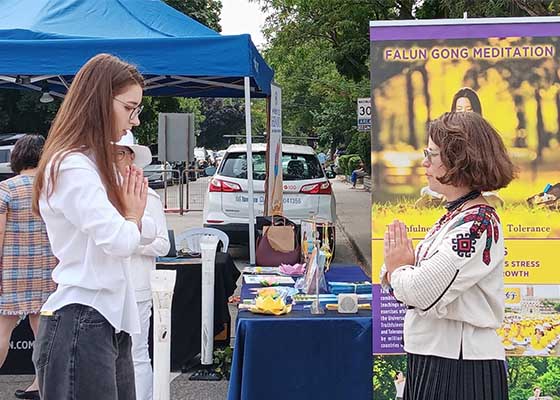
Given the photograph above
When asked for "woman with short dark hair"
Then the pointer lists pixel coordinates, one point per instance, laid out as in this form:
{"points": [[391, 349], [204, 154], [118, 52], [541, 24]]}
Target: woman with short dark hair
{"points": [[453, 283], [26, 258], [26, 153]]}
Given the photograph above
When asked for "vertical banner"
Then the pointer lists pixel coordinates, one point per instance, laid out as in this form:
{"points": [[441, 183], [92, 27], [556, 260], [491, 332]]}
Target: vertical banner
{"points": [[508, 70], [273, 195]]}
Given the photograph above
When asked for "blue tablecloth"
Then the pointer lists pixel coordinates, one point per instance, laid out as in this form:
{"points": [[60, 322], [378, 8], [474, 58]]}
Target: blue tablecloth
{"points": [[304, 356]]}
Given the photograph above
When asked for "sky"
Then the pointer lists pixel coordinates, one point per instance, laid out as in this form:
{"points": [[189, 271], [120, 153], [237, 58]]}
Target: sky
{"points": [[242, 16]]}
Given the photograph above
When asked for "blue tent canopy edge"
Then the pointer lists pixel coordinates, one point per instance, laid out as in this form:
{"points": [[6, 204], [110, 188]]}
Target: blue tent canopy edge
{"points": [[177, 55]]}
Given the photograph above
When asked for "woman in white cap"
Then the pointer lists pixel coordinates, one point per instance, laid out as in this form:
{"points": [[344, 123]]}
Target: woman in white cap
{"points": [[142, 262]]}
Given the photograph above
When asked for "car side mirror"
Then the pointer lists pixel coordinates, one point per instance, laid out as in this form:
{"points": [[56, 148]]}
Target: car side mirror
{"points": [[330, 174]]}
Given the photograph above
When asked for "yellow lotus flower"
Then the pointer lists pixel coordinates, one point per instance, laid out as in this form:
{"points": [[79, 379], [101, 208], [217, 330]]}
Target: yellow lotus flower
{"points": [[269, 303]]}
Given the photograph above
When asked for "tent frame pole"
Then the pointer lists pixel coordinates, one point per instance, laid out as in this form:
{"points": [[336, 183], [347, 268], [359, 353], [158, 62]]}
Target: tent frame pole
{"points": [[250, 193]]}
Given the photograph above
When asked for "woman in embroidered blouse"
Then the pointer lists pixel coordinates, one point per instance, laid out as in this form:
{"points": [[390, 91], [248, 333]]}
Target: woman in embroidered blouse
{"points": [[452, 282]]}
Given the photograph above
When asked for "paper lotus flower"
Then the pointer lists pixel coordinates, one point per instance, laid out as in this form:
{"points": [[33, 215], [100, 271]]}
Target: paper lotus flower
{"points": [[296, 269], [269, 282], [270, 305], [267, 292]]}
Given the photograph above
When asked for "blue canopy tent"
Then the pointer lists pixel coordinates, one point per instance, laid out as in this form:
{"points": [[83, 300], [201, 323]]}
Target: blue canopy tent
{"points": [[47, 41], [43, 43]]}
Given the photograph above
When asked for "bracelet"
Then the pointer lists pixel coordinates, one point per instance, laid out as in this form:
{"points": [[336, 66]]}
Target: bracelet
{"points": [[132, 219]]}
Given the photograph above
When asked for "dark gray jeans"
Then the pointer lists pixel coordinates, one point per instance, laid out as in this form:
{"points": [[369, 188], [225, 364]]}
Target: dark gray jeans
{"points": [[78, 356]]}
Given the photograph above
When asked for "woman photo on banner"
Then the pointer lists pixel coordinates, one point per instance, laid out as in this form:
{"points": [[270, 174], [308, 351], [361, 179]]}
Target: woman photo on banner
{"points": [[464, 100], [143, 261], [26, 261], [452, 283], [95, 222]]}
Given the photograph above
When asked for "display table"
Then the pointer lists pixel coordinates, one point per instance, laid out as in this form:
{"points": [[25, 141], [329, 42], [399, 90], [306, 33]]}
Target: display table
{"points": [[303, 356], [186, 308]]}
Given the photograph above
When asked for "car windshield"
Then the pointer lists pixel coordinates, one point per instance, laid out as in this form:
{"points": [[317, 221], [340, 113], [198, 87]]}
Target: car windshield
{"points": [[4, 155], [294, 166]]}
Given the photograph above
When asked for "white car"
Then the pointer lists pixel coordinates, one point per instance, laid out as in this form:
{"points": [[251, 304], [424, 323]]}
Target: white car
{"points": [[307, 191], [5, 168], [155, 174]]}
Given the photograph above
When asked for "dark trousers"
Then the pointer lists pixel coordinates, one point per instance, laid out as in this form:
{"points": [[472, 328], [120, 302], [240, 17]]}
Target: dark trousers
{"points": [[78, 356]]}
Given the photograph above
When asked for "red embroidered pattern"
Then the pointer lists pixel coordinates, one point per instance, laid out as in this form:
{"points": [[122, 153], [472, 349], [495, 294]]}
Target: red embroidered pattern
{"points": [[484, 220], [463, 245]]}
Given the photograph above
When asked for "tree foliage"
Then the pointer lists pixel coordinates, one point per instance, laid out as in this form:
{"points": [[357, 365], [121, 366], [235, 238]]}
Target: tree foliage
{"points": [[207, 12], [319, 50], [21, 111]]}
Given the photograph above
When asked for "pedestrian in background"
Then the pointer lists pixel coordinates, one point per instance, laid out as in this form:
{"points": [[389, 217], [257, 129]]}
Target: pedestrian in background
{"points": [[27, 261]]}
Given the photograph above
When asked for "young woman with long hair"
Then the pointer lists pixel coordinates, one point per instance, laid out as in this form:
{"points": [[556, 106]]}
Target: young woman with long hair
{"points": [[94, 223]]}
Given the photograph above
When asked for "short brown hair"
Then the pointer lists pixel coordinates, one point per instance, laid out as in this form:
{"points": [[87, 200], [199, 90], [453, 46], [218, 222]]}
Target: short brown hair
{"points": [[472, 151], [26, 152]]}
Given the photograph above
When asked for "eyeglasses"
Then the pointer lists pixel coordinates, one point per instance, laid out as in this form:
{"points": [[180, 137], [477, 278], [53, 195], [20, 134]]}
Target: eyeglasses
{"points": [[134, 111], [121, 154], [429, 154]]}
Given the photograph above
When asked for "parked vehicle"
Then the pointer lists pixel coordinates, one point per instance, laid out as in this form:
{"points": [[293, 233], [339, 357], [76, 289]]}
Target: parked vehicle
{"points": [[155, 174], [219, 157], [307, 191], [10, 138], [5, 169]]}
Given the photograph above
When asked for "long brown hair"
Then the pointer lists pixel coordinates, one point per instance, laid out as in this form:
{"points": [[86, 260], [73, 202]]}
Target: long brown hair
{"points": [[85, 123]]}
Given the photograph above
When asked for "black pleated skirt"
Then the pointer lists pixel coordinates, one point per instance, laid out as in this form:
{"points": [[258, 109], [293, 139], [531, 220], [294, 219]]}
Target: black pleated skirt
{"points": [[436, 378]]}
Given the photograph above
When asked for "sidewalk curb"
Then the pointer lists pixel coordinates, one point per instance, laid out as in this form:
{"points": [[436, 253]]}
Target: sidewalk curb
{"points": [[357, 250]]}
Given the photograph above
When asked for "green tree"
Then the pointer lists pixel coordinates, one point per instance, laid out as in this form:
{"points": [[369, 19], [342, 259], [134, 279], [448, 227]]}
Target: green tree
{"points": [[21, 111], [384, 371], [207, 12], [309, 39], [223, 117]]}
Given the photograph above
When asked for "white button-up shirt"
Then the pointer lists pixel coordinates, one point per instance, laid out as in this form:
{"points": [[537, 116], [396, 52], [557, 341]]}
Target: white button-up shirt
{"points": [[93, 243]]}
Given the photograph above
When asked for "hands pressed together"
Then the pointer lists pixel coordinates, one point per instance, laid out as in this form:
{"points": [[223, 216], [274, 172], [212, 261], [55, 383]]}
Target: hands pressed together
{"points": [[135, 194], [398, 249]]}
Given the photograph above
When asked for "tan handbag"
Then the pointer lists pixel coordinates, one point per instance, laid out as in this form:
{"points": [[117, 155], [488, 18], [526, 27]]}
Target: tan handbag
{"points": [[281, 238]]}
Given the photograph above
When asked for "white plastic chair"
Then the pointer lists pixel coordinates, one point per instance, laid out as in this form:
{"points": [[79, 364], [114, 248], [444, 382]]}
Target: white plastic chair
{"points": [[190, 239]]}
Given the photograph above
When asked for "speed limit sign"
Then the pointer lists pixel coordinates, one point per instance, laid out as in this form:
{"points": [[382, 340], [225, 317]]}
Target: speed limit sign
{"points": [[364, 114]]}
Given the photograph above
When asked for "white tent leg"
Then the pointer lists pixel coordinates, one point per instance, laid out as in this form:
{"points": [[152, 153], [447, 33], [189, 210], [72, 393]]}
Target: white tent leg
{"points": [[163, 283], [250, 171]]}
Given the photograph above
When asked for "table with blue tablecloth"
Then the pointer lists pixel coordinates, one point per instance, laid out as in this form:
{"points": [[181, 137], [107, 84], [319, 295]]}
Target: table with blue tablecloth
{"points": [[303, 356]]}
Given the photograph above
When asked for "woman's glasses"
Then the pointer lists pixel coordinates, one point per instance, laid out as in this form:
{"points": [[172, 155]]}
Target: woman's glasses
{"points": [[121, 154], [429, 154], [134, 111]]}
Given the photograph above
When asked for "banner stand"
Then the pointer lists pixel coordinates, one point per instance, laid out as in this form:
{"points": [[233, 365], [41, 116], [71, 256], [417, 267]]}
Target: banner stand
{"points": [[207, 372], [162, 283]]}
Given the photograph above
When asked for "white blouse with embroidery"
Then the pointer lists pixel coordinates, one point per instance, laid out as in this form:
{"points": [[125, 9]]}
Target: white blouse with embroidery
{"points": [[455, 290]]}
